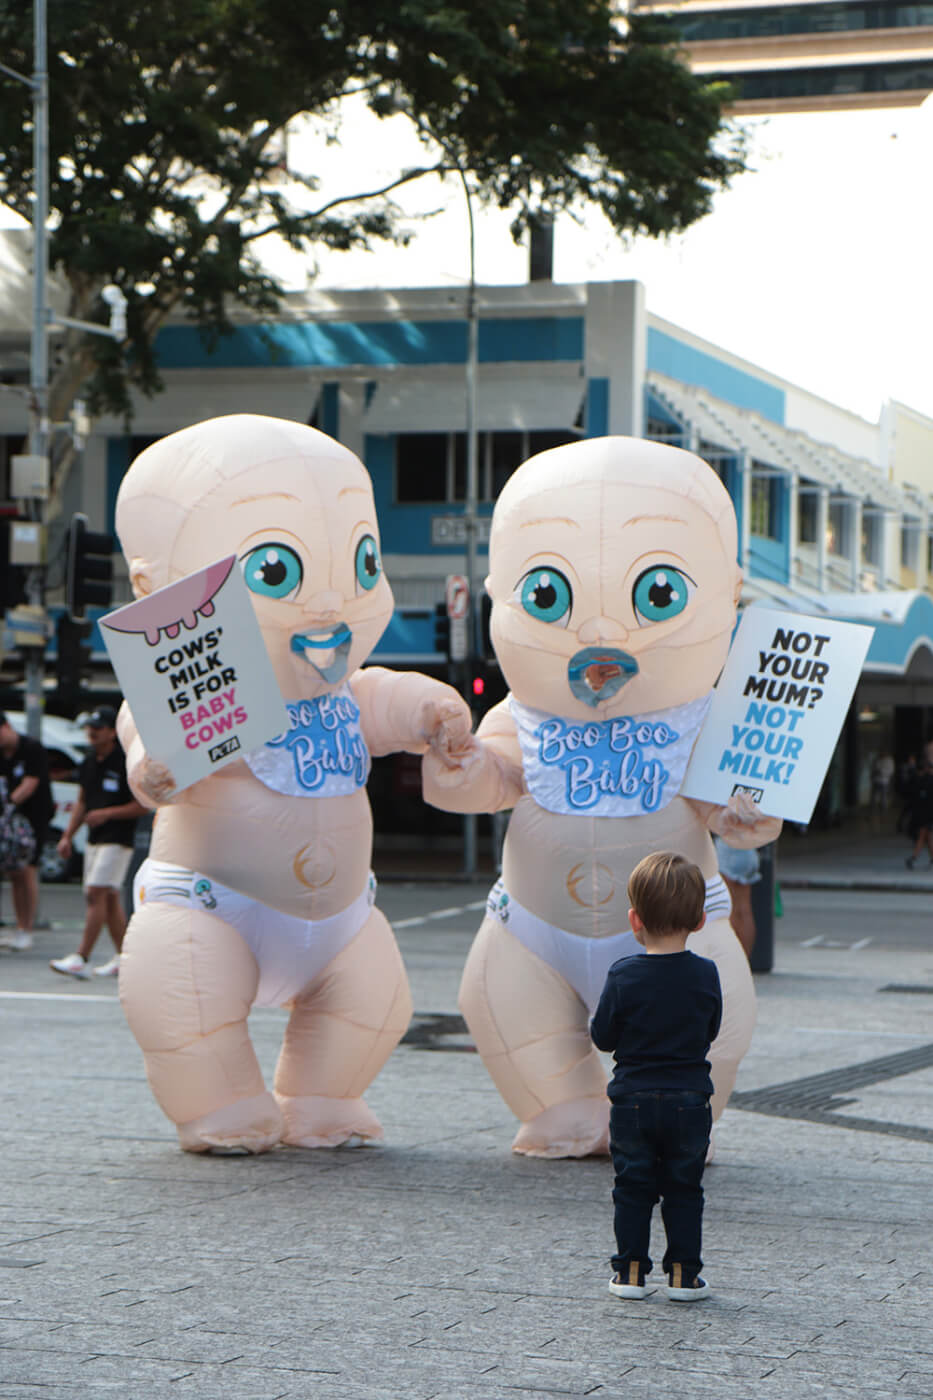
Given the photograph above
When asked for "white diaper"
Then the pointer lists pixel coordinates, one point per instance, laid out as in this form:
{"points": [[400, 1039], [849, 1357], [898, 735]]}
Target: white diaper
{"points": [[583, 962], [290, 952]]}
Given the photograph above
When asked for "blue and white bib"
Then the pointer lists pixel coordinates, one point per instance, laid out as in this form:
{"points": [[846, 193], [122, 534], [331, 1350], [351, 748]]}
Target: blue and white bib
{"points": [[607, 768], [321, 754]]}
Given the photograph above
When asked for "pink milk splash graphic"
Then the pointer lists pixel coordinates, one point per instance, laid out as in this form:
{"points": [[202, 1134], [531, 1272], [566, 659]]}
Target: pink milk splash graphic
{"points": [[175, 606]]}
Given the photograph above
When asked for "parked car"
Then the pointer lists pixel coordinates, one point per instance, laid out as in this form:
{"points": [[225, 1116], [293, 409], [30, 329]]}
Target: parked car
{"points": [[65, 743]]}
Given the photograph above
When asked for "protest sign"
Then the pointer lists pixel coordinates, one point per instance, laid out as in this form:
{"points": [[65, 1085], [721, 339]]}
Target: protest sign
{"points": [[777, 711], [195, 672]]}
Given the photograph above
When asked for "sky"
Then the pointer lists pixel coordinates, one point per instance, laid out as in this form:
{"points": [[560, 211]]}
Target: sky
{"points": [[815, 265]]}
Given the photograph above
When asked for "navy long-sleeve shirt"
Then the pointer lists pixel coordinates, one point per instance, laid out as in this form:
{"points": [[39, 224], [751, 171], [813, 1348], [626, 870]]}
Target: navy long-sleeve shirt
{"points": [[659, 1014]]}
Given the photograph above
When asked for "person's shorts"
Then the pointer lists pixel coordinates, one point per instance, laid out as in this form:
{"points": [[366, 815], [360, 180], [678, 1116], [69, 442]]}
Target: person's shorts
{"points": [[39, 832], [742, 867], [106, 865]]}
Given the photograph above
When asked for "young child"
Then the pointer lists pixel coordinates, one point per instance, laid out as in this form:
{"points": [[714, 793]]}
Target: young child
{"points": [[658, 1015]]}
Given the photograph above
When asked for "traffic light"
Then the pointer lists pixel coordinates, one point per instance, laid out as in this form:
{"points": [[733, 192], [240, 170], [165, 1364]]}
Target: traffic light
{"points": [[72, 659], [88, 567], [486, 686], [442, 630]]}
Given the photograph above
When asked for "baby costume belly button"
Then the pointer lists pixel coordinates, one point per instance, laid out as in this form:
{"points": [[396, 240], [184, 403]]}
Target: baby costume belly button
{"points": [[591, 886], [315, 865]]}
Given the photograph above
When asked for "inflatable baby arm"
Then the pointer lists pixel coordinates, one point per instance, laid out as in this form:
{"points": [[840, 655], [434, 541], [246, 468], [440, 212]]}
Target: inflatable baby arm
{"points": [[405, 710], [488, 777], [150, 782], [741, 823]]}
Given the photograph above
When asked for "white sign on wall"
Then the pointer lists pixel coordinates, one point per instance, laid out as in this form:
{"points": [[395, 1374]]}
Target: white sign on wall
{"points": [[777, 711], [195, 672]]}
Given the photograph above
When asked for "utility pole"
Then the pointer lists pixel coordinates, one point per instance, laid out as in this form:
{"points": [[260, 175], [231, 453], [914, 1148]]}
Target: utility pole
{"points": [[42, 318], [39, 350]]}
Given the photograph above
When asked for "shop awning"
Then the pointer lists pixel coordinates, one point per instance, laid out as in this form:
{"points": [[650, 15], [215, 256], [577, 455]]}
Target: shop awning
{"points": [[737, 430], [503, 404]]}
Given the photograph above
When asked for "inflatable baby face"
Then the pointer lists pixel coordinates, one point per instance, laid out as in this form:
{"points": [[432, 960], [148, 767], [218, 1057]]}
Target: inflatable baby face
{"points": [[613, 577], [295, 508]]}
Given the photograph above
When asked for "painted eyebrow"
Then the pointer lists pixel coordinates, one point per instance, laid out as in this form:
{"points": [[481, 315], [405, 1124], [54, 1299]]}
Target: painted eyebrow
{"points": [[654, 520], [551, 520], [348, 490], [269, 496]]}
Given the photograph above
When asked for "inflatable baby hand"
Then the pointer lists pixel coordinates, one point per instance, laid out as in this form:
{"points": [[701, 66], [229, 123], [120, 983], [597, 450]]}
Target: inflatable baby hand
{"points": [[151, 781], [448, 728], [741, 823], [443, 771]]}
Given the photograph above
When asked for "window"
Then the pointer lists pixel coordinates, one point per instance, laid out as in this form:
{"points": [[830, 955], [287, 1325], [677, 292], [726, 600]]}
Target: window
{"points": [[836, 532], [808, 515], [871, 537], [909, 550], [765, 518], [432, 467]]}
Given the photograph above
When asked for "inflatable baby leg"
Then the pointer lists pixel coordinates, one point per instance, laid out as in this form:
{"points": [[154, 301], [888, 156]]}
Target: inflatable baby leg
{"points": [[532, 1032], [717, 940], [341, 1032], [187, 981]]}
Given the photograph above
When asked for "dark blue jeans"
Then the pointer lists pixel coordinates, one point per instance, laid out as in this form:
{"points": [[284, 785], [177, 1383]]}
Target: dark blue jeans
{"points": [[658, 1140]]}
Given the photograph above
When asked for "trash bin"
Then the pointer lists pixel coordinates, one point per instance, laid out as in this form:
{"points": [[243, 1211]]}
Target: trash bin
{"points": [[762, 959], [140, 852]]}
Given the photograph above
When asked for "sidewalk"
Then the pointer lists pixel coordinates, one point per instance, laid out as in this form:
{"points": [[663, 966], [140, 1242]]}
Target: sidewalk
{"points": [[853, 856], [441, 1266]]}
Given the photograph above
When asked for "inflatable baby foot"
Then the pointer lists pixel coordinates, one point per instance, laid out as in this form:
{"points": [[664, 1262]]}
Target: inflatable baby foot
{"points": [[258, 890], [614, 582]]}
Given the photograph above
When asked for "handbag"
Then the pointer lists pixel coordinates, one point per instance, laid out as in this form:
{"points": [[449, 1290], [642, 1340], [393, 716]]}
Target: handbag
{"points": [[17, 842]]}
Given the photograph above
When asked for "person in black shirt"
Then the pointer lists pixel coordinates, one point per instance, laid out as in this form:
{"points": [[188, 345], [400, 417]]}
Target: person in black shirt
{"points": [[24, 781], [110, 810], [658, 1014]]}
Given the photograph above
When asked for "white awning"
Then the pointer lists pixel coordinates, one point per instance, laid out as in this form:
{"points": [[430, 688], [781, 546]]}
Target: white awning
{"points": [[770, 444], [438, 406]]}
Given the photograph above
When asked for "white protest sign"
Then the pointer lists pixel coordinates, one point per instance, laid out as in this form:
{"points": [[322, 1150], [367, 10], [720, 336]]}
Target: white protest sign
{"points": [[193, 666], [777, 711]]}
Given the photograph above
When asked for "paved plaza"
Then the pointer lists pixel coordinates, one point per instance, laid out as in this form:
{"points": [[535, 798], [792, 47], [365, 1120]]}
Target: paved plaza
{"points": [[441, 1266]]}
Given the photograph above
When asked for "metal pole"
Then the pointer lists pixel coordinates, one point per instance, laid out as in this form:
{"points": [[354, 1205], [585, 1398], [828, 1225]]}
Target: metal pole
{"points": [[39, 350], [470, 513]]}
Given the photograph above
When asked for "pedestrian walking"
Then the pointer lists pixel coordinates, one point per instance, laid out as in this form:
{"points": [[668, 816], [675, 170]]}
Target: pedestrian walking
{"points": [[658, 1014], [920, 800], [110, 810], [24, 781]]}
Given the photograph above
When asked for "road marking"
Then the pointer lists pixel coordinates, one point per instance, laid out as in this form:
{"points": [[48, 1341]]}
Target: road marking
{"points": [[821, 941], [450, 913], [862, 943], [812, 942], [57, 996]]}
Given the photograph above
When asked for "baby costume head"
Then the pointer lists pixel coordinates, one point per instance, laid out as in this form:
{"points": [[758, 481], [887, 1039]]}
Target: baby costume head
{"points": [[613, 575], [296, 509]]}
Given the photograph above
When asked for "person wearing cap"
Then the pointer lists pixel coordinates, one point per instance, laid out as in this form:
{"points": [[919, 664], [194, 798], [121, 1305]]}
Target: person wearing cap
{"points": [[110, 810]]}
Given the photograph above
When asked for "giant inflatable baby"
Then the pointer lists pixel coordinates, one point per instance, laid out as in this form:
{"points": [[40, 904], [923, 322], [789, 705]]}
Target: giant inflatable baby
{"points": [[257, 890], [614, 583]]}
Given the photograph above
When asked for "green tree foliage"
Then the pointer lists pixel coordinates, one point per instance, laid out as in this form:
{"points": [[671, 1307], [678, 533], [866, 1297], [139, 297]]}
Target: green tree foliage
{"points": [[167, 121]]}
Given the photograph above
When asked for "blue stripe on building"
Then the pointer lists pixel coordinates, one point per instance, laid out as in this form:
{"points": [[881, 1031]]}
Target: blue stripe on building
{"points": [[332, 344], [677, 360]]}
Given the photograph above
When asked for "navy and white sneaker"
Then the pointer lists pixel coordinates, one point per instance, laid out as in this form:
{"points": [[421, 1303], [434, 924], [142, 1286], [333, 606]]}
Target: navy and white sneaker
{"points": [[629, 1282], [685, 1288]]}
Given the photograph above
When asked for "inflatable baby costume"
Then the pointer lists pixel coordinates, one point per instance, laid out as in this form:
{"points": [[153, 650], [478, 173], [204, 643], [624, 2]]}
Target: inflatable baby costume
{"points": [[258, 889], [614, 582]]}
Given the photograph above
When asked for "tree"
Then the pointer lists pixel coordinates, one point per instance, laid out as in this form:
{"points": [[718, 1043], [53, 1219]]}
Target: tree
{"points": [[167, 122]]}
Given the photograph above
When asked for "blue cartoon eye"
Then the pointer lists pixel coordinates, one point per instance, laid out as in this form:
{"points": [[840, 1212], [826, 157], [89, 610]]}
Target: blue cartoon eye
{"points": [[368, 563], [661, 592], [272, 570], [546, 595]]}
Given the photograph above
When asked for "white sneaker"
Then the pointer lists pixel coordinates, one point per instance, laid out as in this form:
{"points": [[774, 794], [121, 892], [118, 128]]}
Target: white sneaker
{"points": [[18, 942], [109, 969], [72, 966]]}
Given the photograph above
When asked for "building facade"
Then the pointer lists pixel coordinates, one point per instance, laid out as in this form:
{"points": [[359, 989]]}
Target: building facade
{"points": [[808, 55], [835, 513]]}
